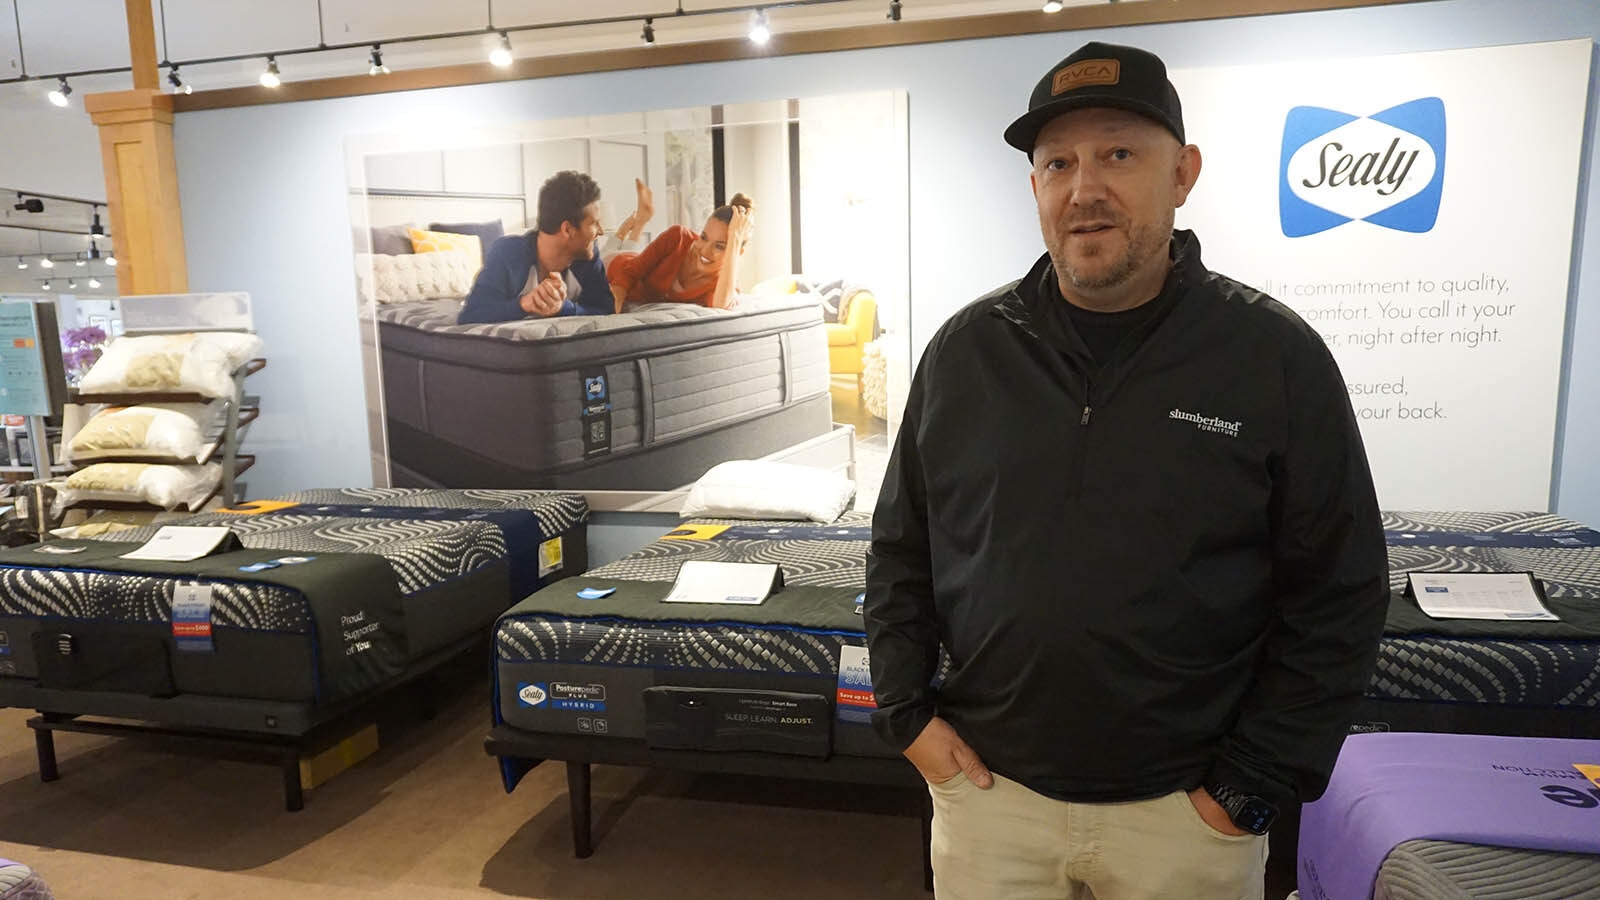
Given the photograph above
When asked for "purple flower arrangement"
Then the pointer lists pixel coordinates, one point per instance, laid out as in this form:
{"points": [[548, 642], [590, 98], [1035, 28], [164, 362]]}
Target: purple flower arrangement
{"points": [[80, 347]]}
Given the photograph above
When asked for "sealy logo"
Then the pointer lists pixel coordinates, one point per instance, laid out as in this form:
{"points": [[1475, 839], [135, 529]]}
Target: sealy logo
{"points": [[1207, 423], [1086, 73], [1386, 168], [532, 694]]}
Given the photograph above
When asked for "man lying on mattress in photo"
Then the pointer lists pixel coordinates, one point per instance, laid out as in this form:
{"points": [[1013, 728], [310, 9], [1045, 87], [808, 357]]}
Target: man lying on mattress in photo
{"points": [[553, 270]]}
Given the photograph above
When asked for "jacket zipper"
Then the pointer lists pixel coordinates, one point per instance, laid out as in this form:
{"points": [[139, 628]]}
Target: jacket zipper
{"points": [[1082, 475]]}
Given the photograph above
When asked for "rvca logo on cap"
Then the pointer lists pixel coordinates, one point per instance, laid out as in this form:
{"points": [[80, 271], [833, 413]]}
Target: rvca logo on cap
{"points": [[1083, 74]]}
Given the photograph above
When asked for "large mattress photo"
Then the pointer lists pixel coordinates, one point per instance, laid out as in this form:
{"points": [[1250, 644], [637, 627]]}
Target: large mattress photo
{"points": [[1495, 677], [646, 399], [332, 594], [568, 665]]}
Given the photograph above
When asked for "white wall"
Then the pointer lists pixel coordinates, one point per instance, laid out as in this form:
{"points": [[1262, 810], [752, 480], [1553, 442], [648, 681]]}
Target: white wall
{"points": [[263, 190]]}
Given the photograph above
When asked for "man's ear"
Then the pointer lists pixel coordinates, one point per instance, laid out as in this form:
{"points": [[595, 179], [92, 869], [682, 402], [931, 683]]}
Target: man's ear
{"points": [[1186, 173]]}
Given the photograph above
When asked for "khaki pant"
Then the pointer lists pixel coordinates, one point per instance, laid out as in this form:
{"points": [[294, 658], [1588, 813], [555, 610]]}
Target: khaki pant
{"points": [[1009, 843]]}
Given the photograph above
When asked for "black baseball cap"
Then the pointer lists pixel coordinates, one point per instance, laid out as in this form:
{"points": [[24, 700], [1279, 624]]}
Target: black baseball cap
{"points": [[1098, 74]]}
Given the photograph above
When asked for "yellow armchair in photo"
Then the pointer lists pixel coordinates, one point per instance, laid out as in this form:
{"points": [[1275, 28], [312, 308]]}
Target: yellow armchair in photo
{"points": [[848, 337]]}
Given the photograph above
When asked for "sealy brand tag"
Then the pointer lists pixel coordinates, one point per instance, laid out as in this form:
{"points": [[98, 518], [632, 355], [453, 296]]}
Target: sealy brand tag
{"points": [[1086, 73], [191, 617]]}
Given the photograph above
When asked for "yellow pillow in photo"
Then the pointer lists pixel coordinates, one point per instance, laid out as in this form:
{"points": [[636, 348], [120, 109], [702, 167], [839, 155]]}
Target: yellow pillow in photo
{"points": [[433, 241]]}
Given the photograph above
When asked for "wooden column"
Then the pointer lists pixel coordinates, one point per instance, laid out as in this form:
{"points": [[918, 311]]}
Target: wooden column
{"points": [[141, 173], [141, 189]]}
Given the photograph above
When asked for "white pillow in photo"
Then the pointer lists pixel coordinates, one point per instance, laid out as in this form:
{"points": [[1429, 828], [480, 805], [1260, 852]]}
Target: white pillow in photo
{"points": [[175, 431], [161, 485], [757, 489], [201, 363]]}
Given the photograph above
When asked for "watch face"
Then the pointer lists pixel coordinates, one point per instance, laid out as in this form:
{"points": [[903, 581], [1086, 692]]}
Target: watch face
{"points": [[1255, 815]]}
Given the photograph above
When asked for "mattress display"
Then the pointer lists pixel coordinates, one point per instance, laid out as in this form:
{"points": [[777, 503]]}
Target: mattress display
{"points": [[1520, 664], [1446, 816], [1444, 870], [321, 602], [565, 664], [644, 399]]}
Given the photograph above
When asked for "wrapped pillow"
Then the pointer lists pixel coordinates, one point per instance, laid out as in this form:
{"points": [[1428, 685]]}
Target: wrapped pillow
{"points": [[756, 489], [436, 241], [174, 431], [203, 363], [165, 486]]}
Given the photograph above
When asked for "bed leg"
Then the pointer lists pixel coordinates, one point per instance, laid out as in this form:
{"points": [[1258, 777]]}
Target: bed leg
{"points": [[294, 796], [44, 745], [927, 841], [578, 800]]}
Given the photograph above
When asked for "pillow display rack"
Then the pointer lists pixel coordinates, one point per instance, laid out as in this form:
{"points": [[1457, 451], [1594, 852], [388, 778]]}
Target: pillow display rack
{"points": [[163, 417]]}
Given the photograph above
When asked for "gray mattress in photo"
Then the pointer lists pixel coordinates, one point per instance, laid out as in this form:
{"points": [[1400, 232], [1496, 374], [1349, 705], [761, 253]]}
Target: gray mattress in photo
{"points": [[542, 402], [454, 558], [1443, 870], [623, 656], [1540, 667]]}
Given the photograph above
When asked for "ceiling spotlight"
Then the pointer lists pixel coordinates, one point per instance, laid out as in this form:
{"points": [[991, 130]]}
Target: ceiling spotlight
{"points": [[72, 284], [61, 93], [894, 10], [178, 87], [46, 262], [94, 282], [111, 260], [269, 78], [501, 55], [22, 263], [375, 64], [28, 204], [80, 261], [649, 34], [96, 230], [760, 31], [1052, 6], [45, 284]]}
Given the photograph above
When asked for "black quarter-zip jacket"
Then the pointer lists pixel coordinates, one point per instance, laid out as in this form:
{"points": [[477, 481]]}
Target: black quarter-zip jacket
{"points": [[1149, 573]]}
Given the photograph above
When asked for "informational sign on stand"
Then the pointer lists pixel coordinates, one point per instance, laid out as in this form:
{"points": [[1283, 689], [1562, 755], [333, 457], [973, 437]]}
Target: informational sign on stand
{"points": [[24, 385]]}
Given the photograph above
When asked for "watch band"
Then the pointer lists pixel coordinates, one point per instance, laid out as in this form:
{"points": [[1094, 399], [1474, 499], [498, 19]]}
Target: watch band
{"points": [[1246, 811]]}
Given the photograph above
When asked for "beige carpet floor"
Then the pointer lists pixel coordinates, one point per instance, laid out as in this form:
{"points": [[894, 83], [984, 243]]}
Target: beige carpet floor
{"points": [[427, 818]]}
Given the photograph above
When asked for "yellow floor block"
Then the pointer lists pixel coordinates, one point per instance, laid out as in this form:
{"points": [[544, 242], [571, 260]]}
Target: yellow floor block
{"points": [[315, 770]]}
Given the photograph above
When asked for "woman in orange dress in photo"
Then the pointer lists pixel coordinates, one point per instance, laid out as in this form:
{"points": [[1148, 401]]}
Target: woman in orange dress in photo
{"points": [[680, 266]]}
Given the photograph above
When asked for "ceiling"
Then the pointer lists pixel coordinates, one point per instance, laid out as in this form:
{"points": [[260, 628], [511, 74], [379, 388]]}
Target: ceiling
{"points": [[45, 37]]}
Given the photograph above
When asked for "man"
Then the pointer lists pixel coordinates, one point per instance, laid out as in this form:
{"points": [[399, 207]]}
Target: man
{"points": [[1129, 501], [550, 271]]}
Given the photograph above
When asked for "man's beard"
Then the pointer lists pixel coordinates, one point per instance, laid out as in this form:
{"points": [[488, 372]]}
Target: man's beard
{"points": [[1143, 241]]}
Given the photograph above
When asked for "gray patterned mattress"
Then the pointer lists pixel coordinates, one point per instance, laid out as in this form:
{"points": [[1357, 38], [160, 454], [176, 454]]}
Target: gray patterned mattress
{"points": [[557, 511], [1525, 671], [550, 667], [1442, 870], [18, 882], [424, 553], [541, 401], [823, 555]]}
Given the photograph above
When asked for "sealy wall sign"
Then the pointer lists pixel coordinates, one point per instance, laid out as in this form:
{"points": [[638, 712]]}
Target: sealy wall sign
{"points": [[1352, 190], [1386, 168]]}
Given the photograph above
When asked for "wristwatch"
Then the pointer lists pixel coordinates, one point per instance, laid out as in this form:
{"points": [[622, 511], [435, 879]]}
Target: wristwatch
{"points": [[1247, 811]]}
